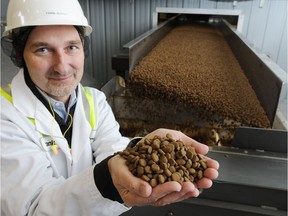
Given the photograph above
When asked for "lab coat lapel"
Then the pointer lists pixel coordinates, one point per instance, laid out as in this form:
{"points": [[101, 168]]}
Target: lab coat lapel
{"points": [[81, 129]]}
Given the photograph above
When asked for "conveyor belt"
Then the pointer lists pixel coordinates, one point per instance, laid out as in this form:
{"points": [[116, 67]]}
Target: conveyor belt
{"points": [[264, 79]]}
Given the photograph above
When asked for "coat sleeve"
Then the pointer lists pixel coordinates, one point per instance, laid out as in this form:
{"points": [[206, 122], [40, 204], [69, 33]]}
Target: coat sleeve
{"points": [[28, 183]]}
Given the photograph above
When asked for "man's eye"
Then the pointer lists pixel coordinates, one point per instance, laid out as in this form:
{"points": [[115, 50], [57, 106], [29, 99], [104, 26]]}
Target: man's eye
{"points": [[42, 49], [72, 47]]}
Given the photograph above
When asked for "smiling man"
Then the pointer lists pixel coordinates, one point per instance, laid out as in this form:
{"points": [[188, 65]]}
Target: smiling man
{"points": [[54, 57]]}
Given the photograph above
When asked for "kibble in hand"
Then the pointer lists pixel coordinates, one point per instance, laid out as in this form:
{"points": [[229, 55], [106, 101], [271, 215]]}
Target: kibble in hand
{"points": [[164, 159]]}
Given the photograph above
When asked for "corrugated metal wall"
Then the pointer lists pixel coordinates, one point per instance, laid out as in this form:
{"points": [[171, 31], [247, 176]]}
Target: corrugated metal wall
{"points": [[116, 22]]}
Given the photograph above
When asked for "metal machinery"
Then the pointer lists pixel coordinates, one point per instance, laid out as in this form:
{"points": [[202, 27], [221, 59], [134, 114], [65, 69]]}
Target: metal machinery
{"points": [[253, 169]]}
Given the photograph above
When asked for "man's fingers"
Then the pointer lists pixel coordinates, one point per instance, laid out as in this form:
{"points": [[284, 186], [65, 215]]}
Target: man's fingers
{"points": [[163, 190], [188, 190], [212, 163], [211, 173]]}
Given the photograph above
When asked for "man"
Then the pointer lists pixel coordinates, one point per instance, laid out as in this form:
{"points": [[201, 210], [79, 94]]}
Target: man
{"points": [[58, 138]]}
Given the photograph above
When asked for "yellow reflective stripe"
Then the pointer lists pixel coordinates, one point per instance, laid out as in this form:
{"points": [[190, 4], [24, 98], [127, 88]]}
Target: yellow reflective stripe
{"points": [[5, 94], [32, 120], [8, 96], [91, 106]]}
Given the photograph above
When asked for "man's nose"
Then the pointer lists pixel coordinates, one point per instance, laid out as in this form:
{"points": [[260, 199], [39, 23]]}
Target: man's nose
{"points": [[60, 61]]}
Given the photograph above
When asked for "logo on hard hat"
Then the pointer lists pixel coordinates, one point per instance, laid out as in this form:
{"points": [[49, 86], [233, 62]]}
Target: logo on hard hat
{"points": [[55, 13]]}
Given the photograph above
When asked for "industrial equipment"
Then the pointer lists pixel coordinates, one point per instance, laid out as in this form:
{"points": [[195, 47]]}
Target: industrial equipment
{"points": [[253, 161]]}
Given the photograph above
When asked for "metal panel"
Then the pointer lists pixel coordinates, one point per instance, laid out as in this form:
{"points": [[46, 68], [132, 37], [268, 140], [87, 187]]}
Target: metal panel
{"points": [[245, 7], [127, 30], [157, 3], [261, 138], [174, 3], [208, 4], [282, 52], [191, 4], [258, 23], [276, 23], [153, 5], [142, 17], [98, 40], [224, 5], [112, 35]]}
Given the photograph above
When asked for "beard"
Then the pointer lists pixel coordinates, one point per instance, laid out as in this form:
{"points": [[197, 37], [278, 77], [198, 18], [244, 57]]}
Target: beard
{"points": [[61, 90], [58, 90]]}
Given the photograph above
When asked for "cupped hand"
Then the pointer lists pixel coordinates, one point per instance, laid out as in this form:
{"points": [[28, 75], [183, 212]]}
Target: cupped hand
{"points": [[137, 192]]}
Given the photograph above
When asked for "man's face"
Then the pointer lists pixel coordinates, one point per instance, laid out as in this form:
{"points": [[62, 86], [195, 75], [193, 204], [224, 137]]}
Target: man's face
{"points": [[54, 57]]}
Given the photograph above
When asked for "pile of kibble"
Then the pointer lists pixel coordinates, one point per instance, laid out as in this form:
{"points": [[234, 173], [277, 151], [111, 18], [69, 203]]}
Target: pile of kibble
{"points": [[195, 66], [164, 159]]}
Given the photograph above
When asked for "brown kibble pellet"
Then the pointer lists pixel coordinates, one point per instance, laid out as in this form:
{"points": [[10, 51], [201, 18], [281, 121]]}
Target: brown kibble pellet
{"points": [[192, 171], [163, 165], [155, 167], [163, 159], [181, 162], [203, 164], [188, 164], [176, 176], [172, 162], [169, 137], [148, 169], [153, 182], [142, 162], [145, 178], [190, 153], [155, 157], [167, 172], [156, 144], [172, 169], [167, 148], [200, 174], [140, 170], [161, 179], [149, 150]]}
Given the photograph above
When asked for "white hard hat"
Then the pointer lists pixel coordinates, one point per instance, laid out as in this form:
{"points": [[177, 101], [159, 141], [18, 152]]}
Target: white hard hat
{"points": [[22, 13]]}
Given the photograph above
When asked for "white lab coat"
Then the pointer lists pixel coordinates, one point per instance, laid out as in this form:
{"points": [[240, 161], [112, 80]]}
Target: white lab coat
{"points": [[35, 181]]}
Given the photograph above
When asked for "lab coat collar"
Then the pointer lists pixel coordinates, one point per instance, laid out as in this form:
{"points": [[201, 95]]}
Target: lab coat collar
{"points": [[81, 128]]}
